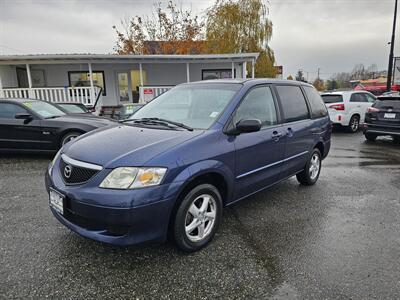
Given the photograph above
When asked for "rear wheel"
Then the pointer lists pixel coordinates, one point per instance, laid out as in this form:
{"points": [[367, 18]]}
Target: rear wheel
{"points": [[354, 124], [310, 174], [370, 137], [69, 137], [197, 218]]}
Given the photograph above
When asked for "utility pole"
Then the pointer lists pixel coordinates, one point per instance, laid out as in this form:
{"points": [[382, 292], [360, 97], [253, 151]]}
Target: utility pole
{"points": [[391, 55], [320, 69]]}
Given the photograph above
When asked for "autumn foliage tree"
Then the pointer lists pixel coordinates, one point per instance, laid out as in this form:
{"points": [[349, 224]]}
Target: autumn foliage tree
{"points": [[175, 30], [241, 26], [231, 26]]}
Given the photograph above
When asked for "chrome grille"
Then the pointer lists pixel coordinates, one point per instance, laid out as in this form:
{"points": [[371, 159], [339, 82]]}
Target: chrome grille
{"points": [[75, 174]]}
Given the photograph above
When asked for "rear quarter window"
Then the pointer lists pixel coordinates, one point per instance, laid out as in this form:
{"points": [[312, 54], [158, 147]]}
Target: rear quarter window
{"points": [[293, 103], [332, 98], [318, 108]]}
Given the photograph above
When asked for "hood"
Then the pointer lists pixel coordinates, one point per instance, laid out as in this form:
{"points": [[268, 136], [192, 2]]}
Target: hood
{"points": [[87, 120], [125, 145]]}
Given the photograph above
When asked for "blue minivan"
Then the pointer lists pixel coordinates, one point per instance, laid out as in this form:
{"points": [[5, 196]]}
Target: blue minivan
{"points": [[171, 168]]}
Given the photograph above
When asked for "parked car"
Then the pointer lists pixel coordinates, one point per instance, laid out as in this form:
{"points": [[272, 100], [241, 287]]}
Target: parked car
{"points": [[35, 125], [173, 171], [383, 118], [73, 108], [348, 108]]}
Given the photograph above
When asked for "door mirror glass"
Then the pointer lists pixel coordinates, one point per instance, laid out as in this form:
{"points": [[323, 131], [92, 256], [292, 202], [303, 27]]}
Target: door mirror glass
{"points": [[249, 125], [23, 116]]}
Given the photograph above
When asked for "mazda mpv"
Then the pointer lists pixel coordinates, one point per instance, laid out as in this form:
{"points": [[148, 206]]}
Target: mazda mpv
{"points": [[171, 168]]}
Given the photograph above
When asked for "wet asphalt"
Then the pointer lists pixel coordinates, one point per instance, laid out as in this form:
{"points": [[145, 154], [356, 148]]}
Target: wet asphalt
{"points": [[338, 239]]}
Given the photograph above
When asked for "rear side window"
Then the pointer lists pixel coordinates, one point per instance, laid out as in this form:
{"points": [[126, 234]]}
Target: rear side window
{"points": [[332, 98], [293, 103], [318, 108], [9, 110], [258, 104], [358, 98]]}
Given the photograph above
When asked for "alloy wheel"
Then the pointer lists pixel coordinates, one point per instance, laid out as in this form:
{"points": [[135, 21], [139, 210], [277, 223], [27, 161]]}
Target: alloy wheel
{"points": [[200, 218], [315, 165]]}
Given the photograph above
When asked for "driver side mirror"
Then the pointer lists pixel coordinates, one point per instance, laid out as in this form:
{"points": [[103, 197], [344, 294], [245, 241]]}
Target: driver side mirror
{"points": [[23, 116], [245, 126]]}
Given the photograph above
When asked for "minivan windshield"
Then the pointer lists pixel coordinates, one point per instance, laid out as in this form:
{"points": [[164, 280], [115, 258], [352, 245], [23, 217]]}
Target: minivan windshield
{"points": [[44, 109], [194, 105]]}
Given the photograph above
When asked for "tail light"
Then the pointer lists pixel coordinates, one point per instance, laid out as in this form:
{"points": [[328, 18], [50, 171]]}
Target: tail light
{"points": [[372, 110], [337, 106]]}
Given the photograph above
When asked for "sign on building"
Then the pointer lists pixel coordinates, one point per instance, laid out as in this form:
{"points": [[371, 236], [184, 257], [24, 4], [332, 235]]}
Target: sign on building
{"points": [[396, 75]]}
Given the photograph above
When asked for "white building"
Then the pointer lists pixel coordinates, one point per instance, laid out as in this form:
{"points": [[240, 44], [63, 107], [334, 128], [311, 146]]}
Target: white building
{"points": [[111, 79]]}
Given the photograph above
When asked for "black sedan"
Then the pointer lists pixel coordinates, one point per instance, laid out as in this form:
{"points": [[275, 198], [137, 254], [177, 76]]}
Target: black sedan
{"points": [[383, 118], [34, 125]]}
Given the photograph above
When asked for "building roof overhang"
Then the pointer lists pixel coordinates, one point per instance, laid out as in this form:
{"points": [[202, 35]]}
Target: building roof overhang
{"points": [[115, 58]]}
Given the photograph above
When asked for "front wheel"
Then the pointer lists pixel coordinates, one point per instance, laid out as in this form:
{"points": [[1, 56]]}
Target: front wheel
{"points": [[310, 174], [197, 218]]}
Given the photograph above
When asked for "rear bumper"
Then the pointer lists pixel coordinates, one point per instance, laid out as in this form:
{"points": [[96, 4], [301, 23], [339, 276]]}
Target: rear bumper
{"points": [[338, 118], [381, 129]]}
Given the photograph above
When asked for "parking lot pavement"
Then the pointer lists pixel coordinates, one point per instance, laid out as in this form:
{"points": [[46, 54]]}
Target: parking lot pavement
{"points": [[337, 239]]}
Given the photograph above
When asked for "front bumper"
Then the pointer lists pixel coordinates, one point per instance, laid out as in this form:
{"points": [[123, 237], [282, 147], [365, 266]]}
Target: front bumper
{"points": [[118, 217]]}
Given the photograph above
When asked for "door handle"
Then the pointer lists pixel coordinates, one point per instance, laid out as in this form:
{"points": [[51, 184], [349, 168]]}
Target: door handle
{"points": [[276, 135]]}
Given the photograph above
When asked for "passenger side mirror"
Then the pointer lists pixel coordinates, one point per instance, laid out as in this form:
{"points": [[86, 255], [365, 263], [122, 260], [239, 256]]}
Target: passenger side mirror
{"points": [[250, 125], [23, 116]]}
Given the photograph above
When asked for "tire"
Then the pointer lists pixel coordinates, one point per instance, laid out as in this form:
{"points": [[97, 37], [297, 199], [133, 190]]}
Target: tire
{"points": [[370, 137], [310, 174], [396, 139], [69, 137], [354, 124], [194, 226]]}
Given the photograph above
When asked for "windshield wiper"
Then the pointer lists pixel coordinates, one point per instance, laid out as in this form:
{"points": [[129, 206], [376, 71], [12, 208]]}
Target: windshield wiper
{"points": [[52, 117], [158, 121]]}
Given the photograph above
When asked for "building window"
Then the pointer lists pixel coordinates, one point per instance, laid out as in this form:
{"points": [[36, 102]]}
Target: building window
{"points": [[216, 74], [82, 78]]}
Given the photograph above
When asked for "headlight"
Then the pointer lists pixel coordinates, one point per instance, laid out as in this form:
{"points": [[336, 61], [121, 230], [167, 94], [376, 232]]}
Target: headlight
{"points": [[133, 178], [54, 161]]}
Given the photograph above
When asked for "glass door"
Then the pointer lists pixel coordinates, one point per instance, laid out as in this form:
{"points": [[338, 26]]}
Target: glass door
{"points": [[135, 83], [124, 86]]}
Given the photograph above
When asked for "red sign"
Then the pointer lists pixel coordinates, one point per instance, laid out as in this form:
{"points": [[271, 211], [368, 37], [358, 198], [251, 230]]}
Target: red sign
{"points": [[148, 91]]}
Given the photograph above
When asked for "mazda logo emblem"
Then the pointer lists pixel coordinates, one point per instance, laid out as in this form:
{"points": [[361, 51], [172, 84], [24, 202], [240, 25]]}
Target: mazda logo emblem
{"points": [[67, 171]]}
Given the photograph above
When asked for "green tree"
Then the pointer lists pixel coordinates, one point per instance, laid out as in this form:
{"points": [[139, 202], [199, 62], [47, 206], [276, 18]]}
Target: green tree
{"points": [[290, 77], [241, 26]]}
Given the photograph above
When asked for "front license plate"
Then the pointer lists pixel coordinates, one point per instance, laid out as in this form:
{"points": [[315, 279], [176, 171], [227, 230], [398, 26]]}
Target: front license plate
{"points": [[57, 201], [389, 116]]}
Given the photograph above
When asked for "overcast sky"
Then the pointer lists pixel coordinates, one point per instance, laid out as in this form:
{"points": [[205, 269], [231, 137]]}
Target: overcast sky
{"points": [[333, 35]]}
